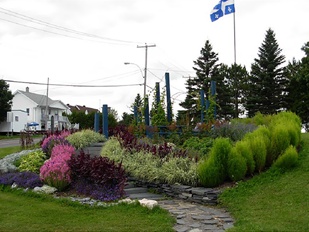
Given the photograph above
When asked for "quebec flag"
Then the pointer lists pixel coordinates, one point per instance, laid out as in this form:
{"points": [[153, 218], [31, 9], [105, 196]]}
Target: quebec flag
{"points": [[224, 7]]}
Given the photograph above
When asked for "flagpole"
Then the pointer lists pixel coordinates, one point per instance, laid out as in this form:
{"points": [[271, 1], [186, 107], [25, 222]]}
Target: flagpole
{"points": [[234, 38], [235, 70]]}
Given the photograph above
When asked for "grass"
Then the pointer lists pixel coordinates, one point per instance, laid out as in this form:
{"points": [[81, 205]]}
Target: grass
{"points": [[9, 150], [20, 211], [274, 200]]}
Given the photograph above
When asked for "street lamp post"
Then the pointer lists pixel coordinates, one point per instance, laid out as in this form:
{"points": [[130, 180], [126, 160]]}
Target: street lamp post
{"points": [[126, 63]]}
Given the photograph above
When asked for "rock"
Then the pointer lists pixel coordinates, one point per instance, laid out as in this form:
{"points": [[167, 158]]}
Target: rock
{"points": [[45, 189], [148, 203]]}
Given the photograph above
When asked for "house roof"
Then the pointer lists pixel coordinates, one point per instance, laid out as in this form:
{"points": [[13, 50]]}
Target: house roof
{"points": [[81, 108], [39, 99]]}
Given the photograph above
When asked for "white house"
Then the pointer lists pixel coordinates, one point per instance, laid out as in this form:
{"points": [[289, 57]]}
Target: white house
{"points": [[16, 122], [36, 105]]}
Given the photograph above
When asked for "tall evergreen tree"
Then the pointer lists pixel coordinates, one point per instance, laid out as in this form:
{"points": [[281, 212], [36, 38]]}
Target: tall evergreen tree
{"points": [[206, 67], [298, 97], [235, 85], [268, 81], [6, 97]]}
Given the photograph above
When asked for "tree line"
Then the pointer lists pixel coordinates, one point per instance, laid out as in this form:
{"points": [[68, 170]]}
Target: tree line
{"points": [[269, 87]]}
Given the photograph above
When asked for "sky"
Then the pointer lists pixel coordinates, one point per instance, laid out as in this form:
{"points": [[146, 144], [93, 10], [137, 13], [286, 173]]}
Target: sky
{"points": [[79, 42]]}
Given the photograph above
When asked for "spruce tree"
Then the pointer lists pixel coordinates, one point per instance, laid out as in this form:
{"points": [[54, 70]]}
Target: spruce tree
{"points": [[298, 97], [6, 97], [268, 81]]}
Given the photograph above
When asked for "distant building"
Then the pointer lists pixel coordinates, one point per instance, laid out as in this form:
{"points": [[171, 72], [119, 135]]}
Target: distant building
{"points": [[79, 108], [36, 105]]}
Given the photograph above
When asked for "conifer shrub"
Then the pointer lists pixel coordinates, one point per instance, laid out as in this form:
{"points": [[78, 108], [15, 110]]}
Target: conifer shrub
{"points": [[213, 171], [244, 149], [288, 159], [32, 162], [237, 166]]}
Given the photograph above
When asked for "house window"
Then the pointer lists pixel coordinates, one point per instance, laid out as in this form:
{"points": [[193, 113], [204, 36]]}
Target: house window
{"points": [[28, 110], [16, 118]]}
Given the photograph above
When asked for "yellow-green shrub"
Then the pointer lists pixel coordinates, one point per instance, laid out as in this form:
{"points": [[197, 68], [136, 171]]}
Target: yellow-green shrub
{"points": [[113, 150], [288, 159], [32, 162], [243, 148], [259, 150], [213, 171], [237, 166], [280, 141]]}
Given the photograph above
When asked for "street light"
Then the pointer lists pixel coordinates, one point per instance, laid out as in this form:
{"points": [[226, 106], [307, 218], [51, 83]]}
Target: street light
{"points": [[126, 63]]}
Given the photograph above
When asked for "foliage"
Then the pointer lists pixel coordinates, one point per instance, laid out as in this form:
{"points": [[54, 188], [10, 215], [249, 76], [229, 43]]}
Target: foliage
{"points": [[32, 162], [100, 172], [84, 138], [233, 131], [288, 159], [298, 96], [268, 82], [21, 179], [56, 171], [243, 148], [213, 171], [200, 146], [49, 143], [6, 97], [237, 166]]}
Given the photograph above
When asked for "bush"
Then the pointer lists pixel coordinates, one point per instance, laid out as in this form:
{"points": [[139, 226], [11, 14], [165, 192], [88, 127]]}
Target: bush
{"points": [[179, 170], [56, 172], [244, 149], [84, 138], [100, 173], [280, 141], [32, 162], [234, 131], [62, 150], [259, 150], [112, 150], [288, 159], [199, 146], [237, 166], [216, 163], [49, 143], [22, 179]]}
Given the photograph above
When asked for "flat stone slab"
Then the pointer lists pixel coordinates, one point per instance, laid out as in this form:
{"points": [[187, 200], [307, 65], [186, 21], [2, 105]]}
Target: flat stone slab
{"points": [[150, 196]]}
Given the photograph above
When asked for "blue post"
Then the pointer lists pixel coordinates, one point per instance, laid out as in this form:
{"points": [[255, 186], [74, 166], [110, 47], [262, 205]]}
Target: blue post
{"points": [[168, 97], [213, 93], [158, 93], [135, 114], [147, 121], [96, 122], [202, 105], [105, 120]]}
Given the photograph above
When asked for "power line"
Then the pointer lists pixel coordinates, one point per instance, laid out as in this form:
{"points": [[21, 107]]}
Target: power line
{"points": [[57, 27], [69, 85]]}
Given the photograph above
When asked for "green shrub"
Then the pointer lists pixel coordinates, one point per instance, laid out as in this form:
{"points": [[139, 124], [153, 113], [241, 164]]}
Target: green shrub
{"points": [[199, 146], [259, 150], [243, 148], [237, 166], [288, 159], [112, 149], [280, 141], [214, 169], [32, 162], [84, 138], [179, 170], [208, 173]]}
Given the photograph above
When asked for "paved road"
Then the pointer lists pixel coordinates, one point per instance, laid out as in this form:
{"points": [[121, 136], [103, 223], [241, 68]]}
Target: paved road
{"points": [[13, 142]]}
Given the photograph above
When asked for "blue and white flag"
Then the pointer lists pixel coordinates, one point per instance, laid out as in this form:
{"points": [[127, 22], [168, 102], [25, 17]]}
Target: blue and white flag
{"points": [[224, 7]]}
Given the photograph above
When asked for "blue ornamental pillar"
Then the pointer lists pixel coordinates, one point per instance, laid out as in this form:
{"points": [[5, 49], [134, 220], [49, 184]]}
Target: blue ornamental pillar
{"points": [[202, 93], [96, 122], [105, 121], [168, 97]]}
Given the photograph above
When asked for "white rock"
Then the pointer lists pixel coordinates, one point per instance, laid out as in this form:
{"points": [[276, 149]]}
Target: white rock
{"points": [[45, 189], [148, 203]]}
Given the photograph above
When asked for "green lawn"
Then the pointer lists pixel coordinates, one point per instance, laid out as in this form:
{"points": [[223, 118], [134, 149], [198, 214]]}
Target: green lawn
{"points": [[273, 201], [29, 212], [9, 150]]}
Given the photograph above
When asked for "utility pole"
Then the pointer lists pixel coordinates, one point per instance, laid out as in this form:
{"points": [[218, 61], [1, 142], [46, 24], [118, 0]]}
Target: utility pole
{"points": [[146, 46]]}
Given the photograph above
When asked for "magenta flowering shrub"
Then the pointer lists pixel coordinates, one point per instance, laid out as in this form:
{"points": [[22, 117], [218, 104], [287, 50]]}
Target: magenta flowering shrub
{"points": [[49, 142], [56, 171], [63, 150]]}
